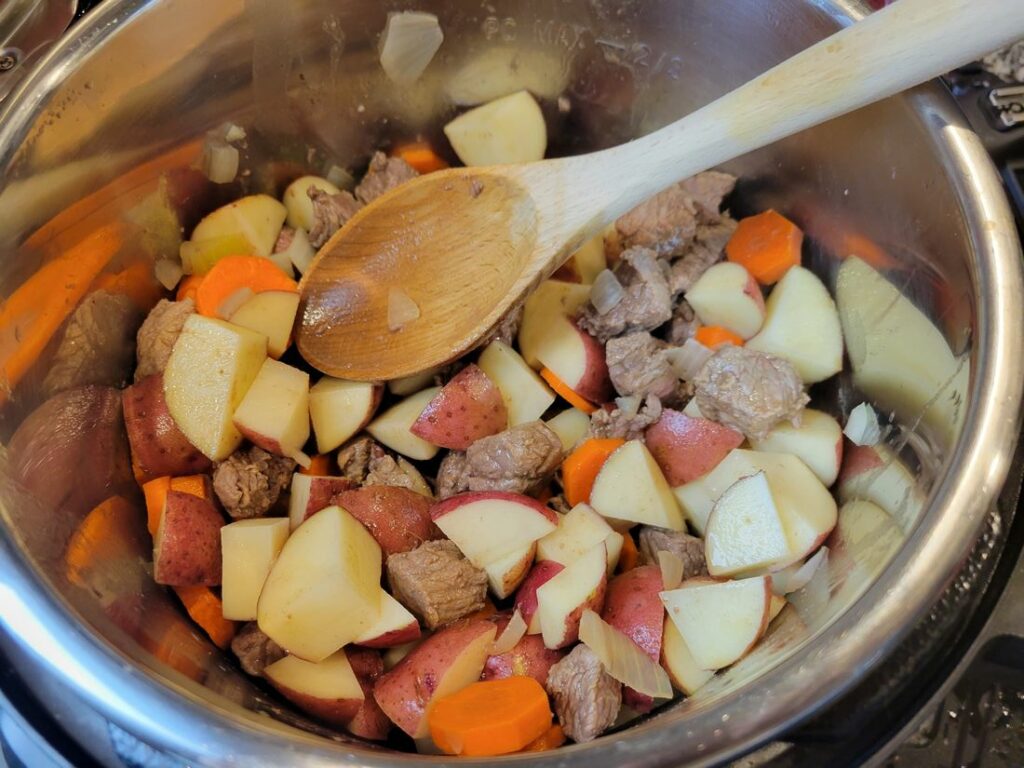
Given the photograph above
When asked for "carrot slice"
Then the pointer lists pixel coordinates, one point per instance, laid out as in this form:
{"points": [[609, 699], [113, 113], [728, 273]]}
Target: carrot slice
{"points": [[87, 543], [232, 273], [189, 287], [420, 156], [714, 336], [767, 245], [207, 610], [36, 309], [629, 557], [580, 468], [156, 490], [563, 390], [319, 465], [552, 738], [492, 717]]}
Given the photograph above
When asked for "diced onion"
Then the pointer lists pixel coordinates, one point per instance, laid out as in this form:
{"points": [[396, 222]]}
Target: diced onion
{"points": [[672, 568], [862, 426], [607, 292], [812, 599], [231, 304], [510, 637], [409, 42], [280, 258], [301, 459], [687, 360], [168, 272], [340, 178], [220, 161], [187, 252], [806, 572], [299, 251], [623, 659], [401, 309], [233, 132], [629, 406]]}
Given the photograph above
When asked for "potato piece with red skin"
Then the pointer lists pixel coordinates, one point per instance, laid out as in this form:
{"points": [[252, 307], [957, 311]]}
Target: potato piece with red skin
{"points": [[528, 657], [157, 445], [369, 722], [399, 519], [633, 606], [444, 663], [329, 690], [687, 448], [186, 548], [468, 407], [526, 597]]}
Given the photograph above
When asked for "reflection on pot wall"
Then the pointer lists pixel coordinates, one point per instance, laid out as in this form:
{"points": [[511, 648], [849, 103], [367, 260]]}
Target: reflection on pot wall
{"points": [[104, 182]]}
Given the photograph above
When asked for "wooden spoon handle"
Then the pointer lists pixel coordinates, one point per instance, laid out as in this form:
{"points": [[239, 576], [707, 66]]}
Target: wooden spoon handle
{"points": [[901, 46]]}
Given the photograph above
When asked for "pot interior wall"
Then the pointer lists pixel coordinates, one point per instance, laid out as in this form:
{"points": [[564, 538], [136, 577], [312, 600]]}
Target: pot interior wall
{"points": [[112, 151]]}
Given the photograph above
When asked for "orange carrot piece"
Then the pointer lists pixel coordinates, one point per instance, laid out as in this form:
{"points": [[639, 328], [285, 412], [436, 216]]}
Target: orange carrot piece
{"points": [[552, 738], [87, 543], [189, 287], [629, 557], [767, 245], [36, 309], [235, 272], [319, 465], [491, 717], [714, 336], [563, 390], [866, 249], [156, 490], [136, 281], [207, 610], [580, 468], [420, 156]]}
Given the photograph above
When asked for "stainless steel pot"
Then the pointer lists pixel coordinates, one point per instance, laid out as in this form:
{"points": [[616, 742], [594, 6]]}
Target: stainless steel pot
{"points": [[104, 132]]}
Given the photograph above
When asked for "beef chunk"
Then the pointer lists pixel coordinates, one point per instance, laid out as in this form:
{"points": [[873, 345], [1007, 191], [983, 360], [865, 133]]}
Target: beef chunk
{"points": [[515, 461], [330, 212], [364, 462], [749, 391], [683, 326], [647, 302], [250, 480], [559, 504], [284, 239], [689, 549], [508, 328], [587, 698], [437, 583], [255, 651], [384, 174], [158, 333], [638, 364], [706, 250], [628, 420], [98, 344], [707, 190]]}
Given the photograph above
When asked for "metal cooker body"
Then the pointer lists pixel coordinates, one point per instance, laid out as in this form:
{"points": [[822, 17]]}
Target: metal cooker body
{"points": [[124, 102]]}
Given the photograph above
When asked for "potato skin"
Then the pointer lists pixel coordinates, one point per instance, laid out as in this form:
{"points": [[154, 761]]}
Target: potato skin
{"points": [[528, 657], [632, 606], [187, 550], [399, 519], [157, 445], [369, 722], [467, 408]]}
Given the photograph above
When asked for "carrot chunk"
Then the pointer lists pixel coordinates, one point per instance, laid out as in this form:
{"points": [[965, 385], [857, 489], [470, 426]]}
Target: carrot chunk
{"points": [[714, 336], [89, 543], [207, 610], [492, 717], [319, 465], [580, 468], [233, 273], [156, 491], [629, 557], [552, 738], [421, 157], [767, 245], [563, 390], [189, 287]]}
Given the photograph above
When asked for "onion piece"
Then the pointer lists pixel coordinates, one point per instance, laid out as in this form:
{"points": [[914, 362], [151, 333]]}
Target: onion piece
{"points": [[806, 572], [623, 659], [629, 406], [606, 292], [187, 252], [340, 178], [514, 631], [409, 42], [233, 132], [220, 161], [168, 272], [672, 568], [687, 360], [401, 309], [230, 305], [301, 459], [862, 426]]}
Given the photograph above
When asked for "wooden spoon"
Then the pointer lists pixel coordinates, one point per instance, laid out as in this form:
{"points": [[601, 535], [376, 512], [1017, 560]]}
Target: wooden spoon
{"points": [[466, 244]]}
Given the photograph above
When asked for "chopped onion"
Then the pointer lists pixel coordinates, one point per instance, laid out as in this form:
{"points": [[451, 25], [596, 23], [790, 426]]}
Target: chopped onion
{"points": [[280, 258], [401, 309], [168, 272], [301, 459], [862, 426], [672, 568], [299, 252], [812, 599], [623, 659], [514, 632], [231, 304], [220, 161], [806, 572], [187, 253], [607, 292], [687, 360], [409, 42], [629, 406], [233, 132], [340, 178]]}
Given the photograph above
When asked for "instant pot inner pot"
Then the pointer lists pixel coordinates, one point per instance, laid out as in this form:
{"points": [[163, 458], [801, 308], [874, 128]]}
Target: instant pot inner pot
{"points": [[111, 150]]}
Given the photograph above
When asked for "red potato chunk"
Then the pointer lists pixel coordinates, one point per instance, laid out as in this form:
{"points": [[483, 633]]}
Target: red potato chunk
{"points": [[632, 605], [186, 548], [399, 519], [528, 657], [687, 448], [158, 446], [467, 408]]}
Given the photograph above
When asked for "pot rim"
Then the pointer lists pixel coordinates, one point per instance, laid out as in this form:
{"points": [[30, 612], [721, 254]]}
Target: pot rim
{"points": [[175, 718]]}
